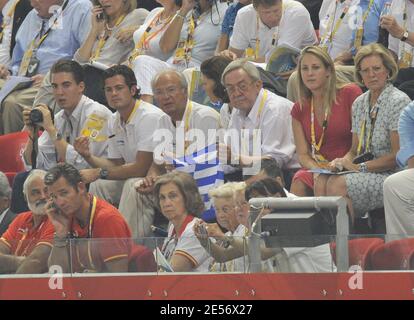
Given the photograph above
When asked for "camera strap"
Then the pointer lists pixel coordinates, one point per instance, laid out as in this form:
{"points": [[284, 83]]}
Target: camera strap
{"points": [[33, 155]]}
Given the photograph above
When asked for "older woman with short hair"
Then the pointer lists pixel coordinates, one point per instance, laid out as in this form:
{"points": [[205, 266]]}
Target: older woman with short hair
{"points": [[375, 139], [178, 199]]}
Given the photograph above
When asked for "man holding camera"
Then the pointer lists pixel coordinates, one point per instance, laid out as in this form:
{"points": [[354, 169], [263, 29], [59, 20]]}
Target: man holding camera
{"points": [[53, 30], [80, 116]]}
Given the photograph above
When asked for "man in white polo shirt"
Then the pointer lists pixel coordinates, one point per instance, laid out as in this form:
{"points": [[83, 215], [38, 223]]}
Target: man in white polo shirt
{"points": [[261, 117], [131, 143], [185, 119], [266, 24]]}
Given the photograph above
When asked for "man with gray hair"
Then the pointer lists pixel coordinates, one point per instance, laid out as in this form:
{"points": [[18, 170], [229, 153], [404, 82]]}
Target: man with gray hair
{"points": [[189, 122], [26, 245], [6, 215], [261, 124]]}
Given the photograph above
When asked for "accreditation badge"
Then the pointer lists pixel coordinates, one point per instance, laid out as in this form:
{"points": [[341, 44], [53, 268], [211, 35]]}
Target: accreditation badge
{"points": [[249, 53], [33, 66], [93, 128], [179, 55], [406, 60], [25, 62]]}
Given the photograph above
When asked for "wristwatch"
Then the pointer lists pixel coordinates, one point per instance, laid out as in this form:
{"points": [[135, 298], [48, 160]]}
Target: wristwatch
{"points": [[404, 36], [57, 136], [363, 167], [103, 174]]}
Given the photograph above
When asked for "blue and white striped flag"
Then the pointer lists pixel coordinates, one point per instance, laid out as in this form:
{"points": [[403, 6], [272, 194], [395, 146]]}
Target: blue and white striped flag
{"points": [[206, 170]]}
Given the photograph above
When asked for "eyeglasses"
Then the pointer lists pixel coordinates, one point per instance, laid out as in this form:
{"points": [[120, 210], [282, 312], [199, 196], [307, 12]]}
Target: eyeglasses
{"points": [[242, 86], [375, 70], [170, 91]]}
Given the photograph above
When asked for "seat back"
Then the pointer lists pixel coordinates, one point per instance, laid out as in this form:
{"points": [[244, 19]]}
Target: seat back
{"points": [[360, 251], [12, 146], [394, 255]]}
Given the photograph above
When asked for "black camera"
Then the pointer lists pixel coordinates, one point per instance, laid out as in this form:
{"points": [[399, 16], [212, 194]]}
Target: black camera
{"points": [[36, 116], [367, 156]]}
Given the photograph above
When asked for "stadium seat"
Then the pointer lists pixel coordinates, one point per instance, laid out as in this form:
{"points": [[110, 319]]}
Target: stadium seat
{"points": [[142, 260], [360, 251], [11, 146], [394, 255]]}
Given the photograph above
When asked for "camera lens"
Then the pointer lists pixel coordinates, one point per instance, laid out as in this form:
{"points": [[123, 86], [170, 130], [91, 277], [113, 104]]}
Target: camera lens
{"points": [[36, 116]]}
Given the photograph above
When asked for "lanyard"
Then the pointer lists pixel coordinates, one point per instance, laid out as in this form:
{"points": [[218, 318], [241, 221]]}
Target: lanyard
{"points": [[143, 42], [360, 30], [184, 48], [275, 38], [92, 212], [259, 113], [329, 35], [24, 65], [362, 136], [316, 147], [103, 38], [7, 19]]}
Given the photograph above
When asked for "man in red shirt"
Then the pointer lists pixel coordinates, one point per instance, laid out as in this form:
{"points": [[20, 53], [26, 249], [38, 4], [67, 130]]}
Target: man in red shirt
{"points": [[26, 245], [103, 237]]}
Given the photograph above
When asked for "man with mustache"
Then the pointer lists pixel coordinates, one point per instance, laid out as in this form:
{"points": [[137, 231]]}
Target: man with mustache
{"points": [[26, 245]]}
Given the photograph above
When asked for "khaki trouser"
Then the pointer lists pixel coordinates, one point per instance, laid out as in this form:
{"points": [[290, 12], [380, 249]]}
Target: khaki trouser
{"points": [[399, 204], [137, 209], [12, 107]]}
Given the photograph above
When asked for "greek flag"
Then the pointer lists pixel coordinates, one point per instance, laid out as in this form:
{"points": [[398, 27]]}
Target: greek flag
{"points": [[206, 170]]}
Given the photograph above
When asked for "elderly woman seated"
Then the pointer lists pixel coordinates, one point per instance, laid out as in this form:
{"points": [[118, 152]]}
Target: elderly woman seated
{"points": [[178, 199], [375, 140]]}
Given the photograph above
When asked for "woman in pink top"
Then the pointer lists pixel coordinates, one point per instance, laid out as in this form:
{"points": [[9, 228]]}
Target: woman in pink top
{"points": [[321, 119]]}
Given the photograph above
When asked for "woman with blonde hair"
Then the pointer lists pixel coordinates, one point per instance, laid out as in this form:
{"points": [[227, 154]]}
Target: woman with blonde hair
{"points": [[321, 119], [375, 139]]}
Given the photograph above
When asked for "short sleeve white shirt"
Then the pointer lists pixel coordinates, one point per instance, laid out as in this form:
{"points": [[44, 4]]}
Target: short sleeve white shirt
{"points": [[274, 124], [295, 29], [137, 134]]}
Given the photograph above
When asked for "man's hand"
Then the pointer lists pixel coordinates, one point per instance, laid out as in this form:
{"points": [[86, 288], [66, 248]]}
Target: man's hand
{"points": [[37, 80], [389, 23], [81, 146], [59, 220], [228, 54], [47, 122], [4, 72], [146, 185], [90, 175], [213, 230], [26, 117], [126, 34]]}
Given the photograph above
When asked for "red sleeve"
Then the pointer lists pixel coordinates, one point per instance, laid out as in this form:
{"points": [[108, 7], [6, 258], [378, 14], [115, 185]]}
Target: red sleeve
{"points": [[351, 92], [111, 227], [296, 112], [10, 235]]}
